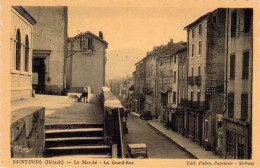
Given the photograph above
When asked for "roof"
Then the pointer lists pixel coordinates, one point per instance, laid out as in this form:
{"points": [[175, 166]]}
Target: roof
{"points": [[90, 33], [199, 19], [25, 14], [180, 46]]}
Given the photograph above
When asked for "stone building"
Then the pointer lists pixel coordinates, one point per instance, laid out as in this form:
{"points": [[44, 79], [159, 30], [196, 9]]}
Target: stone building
{"points": [[181, 98], [49, 48], [206, 51], [86, 61], [139, 85], [150, 83], [168, 84], [237, 120], [21, 44]]}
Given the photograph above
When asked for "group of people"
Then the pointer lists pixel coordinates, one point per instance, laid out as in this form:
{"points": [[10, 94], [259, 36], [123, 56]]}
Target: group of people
{"points": [[84, 95]]}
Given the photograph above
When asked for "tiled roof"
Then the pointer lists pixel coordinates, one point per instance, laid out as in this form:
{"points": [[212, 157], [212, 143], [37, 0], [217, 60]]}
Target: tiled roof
{"points": [[92, 34]]}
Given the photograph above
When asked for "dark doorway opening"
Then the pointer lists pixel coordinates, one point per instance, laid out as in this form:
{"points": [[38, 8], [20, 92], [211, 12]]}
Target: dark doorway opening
{"points": [[39, 70]]}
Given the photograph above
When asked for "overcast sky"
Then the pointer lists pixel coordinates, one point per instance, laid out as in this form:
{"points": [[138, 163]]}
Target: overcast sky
{"points": [[134, 28]]}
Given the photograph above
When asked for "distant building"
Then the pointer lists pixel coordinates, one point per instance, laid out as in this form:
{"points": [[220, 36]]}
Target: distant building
{"points": [[49, 48], [237, 120], [21, 43], [86, 62], [206, 51], [181, 66]]}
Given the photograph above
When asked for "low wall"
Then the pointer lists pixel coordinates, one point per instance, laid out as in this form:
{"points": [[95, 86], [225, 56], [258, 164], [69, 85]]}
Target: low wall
{"points": [[28, 132]]}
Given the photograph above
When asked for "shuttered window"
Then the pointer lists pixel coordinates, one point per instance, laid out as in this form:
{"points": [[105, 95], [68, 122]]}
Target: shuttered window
{"points": [[231, 105], [245, 65], [174, 97], [244, 106], [233, 23], [248, 13], [232, 66]]}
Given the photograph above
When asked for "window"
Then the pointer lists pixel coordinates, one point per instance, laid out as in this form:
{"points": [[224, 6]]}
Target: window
{"points": [[231, 104], [89, 43], [174, 77], [206, 137], [245, 70], [230, 147], [191, 71], [240, 147], [198, 97], [233, 23], [192, 50], [232, 66], [200, 29], [183, 73], [207, 102], [191, 96], [198, 70], [244, 106], [175, 58], [170, 97], [214, 19], [248, 13], [174, 97], [18, 50], [199, 47], [26, 54], [192, 33]]}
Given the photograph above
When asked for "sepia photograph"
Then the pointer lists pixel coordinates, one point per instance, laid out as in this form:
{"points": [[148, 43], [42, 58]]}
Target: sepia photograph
{"points": [[97, 83]]}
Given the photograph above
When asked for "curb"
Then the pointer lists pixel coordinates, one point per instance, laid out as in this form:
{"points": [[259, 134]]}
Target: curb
{"points": [[180, 146]]}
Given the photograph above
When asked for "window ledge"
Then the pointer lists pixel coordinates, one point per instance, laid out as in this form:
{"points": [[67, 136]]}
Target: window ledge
{"points": [[14, 71]]}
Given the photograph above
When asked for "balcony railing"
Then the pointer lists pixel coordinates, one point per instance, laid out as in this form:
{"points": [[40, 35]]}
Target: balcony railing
{"points": [[196, 105], [198, 80], [191, 80]]}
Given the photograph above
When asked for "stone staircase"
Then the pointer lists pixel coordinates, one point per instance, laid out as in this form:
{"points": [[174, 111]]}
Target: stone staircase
{"points": [[83, 140]]}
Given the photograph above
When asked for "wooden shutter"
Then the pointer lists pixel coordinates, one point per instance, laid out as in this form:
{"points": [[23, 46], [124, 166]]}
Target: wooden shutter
{"points": [[245, 65], [244, 106]]}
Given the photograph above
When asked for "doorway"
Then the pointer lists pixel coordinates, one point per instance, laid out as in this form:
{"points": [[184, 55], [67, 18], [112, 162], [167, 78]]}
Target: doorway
{"points": [[39, 75]]}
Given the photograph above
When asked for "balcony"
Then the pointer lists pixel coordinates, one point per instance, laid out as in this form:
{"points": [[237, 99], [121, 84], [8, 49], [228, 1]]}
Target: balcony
{"points": [[195, 105], [198, 80], [191, 80], [184, 102]]}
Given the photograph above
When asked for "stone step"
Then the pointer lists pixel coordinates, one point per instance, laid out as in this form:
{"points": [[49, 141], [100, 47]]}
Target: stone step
{"points": [[48, 131], [78, 150], [73, 125], [78, 132], [71, 141]]}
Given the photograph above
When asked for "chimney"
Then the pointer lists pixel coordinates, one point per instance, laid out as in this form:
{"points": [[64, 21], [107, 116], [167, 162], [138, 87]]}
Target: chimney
{"points": [[101, 34]]}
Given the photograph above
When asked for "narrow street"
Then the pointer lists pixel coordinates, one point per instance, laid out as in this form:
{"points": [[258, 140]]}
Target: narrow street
{"points": [[157, 145]]}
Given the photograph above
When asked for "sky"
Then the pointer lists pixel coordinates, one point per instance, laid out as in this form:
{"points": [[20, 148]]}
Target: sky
{"points": [[132, 31]]}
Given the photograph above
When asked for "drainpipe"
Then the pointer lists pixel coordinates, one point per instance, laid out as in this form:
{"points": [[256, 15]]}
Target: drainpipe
{"points": [[226, 78]]}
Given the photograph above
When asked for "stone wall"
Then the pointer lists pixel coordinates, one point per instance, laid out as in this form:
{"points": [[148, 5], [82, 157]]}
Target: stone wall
{"points": [[50, 33], [28, 132], [21, 80]]}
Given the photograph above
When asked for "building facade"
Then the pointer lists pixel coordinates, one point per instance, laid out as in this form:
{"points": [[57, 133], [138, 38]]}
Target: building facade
{"points": [[237, 120], [206, 50], [50, 48], [86, 62], [21, 44]]}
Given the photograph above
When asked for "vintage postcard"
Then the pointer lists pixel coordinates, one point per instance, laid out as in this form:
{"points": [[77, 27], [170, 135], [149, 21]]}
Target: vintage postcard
{"points": [[129, 83]]}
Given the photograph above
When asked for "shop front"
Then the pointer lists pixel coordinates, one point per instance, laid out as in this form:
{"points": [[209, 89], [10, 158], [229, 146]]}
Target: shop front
{"points": [[236, 138]]}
